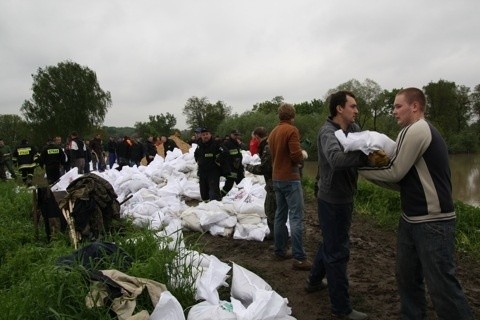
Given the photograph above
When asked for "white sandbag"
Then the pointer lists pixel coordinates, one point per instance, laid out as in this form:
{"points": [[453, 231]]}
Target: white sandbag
{"points": [[65, 180], [210, 280], [250, 232], [250, 218], [207, 311], [266, 304], [245, 283], [167, 308], [211, 217], [190, 220], [366, 141]]}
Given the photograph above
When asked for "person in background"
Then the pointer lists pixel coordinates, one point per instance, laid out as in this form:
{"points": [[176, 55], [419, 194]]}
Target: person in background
{"points": [[337, 185], [112, 151], [57, 140], [6, 152], [52, 158], [98, 159], [168, 145], [150, 149], [284, 143], [88, 156], [254, 143], [137, 152], [210, 156], [124, 152], [197, 137], [78, 152], [265, 169], [237, 172], [426, 232], [26, 157]]}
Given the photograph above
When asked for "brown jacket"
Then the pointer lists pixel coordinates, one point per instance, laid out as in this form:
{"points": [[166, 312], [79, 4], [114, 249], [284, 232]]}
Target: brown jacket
{"points": [[286, 152]]}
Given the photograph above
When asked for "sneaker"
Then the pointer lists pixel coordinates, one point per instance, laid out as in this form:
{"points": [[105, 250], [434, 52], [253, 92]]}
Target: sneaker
{"points": [[301, 265], [354, 315], [312, 287]]}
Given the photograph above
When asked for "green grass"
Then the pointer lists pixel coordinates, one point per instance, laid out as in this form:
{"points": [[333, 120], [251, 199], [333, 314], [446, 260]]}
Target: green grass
{"points": [[33, 287]]}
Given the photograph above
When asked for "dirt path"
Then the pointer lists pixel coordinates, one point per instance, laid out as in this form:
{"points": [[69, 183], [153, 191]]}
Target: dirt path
{"points": [[371, 270]]}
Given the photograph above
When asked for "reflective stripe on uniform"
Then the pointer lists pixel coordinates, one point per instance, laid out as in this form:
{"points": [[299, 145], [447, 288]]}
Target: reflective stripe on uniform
{"points": [[234, 152], [23, 151]]}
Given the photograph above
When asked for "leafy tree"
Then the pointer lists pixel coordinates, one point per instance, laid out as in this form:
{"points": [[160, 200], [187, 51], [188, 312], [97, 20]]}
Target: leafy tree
{"points": [[315, 106], [13, 129], [65, 97], [201, 113], [157, 125], [447, 107], [268, 106], [366, 94], [381, 108], [118, 132], [475, 99]]}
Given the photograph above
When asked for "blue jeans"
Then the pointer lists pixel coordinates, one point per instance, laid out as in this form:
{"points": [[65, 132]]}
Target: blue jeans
{"points": [[289, 198], [333, 253], [426, 251]]}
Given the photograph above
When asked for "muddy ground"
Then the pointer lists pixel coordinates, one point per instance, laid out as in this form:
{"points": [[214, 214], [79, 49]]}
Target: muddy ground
{"points": [[371, 270]]}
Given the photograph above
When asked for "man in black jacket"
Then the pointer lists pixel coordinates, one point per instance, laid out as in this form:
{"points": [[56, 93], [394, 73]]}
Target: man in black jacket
{"points": [[26, 157], [211, 159], [150, 149], [52, 159], [237, 172], [168, 145]]}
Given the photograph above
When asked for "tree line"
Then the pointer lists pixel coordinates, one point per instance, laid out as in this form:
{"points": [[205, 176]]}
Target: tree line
{"points": [[68, 96]]}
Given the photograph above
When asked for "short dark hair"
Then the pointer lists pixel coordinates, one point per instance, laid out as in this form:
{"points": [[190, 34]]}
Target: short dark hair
{"points": [[260, 131], [338, 98]]}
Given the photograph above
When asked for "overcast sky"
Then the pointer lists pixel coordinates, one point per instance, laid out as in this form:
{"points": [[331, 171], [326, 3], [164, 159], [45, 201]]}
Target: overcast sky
{"points": [[154, 55]]}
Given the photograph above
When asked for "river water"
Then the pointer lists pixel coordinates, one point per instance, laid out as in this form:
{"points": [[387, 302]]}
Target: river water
{"points": [[465, 177]]}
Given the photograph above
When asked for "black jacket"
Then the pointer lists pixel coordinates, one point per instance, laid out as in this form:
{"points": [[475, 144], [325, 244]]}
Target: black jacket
{"points": [[52, 156], [211, 156]]}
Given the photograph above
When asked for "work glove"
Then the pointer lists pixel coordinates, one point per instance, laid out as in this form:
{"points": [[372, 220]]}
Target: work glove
{"points": [[378, 158]]}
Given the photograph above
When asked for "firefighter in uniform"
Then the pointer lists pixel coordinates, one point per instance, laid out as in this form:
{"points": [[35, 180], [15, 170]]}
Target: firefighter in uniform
{"points": [[237, 172], [52, 159], [26, 157], [211, 159]]}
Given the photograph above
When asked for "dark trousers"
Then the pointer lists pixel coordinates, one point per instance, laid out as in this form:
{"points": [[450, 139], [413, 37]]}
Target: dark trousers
{"points": [[234, 177], [333, 253], [27, 174], [53, 173], [112, 157], [210, 186]]}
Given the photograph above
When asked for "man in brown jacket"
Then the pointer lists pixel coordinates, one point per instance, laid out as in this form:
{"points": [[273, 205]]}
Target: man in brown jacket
{"points": [[287, 156]]}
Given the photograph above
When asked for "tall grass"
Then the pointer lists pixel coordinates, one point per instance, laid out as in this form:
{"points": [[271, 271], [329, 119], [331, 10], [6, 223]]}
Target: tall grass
{"points": [[33, 286]]}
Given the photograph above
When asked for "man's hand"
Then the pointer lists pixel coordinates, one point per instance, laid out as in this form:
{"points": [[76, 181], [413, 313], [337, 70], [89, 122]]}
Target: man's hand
{"points": [[378, 158]]}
